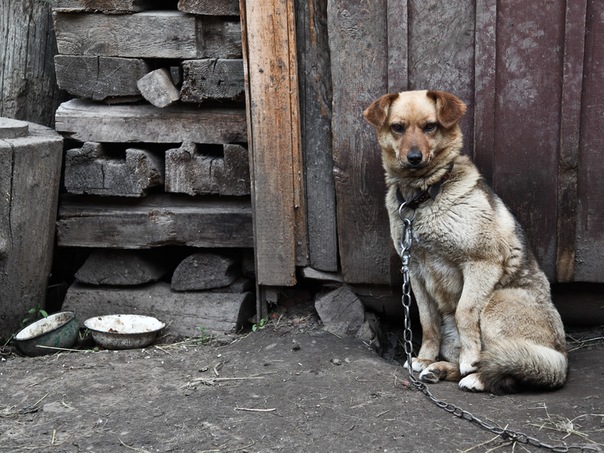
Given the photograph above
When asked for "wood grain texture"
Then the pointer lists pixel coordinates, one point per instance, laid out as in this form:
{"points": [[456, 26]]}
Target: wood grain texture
{"points": [[99, 78], [212, 78], [28, 89], [210, 7], [359, 64], [86, 121], [529, 71], [105, 6], [154, 221], [152, 34], [30, 173], [441, 52], [570, 131], [315, 119], [590, 207], [276, 161]]}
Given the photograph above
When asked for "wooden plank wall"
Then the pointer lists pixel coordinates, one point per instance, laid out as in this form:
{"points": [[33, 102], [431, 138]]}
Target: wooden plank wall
{"points": [[590, 190], [531, 74], [358, 42], [269, 48], [314, 78]]}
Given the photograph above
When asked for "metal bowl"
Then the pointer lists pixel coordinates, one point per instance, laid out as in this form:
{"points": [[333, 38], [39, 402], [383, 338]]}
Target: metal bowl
{"points": [[124, 331], [49, 335]]}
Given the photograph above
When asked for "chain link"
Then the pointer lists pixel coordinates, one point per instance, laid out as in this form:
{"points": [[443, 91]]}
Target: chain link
{"points": [[504, 433]]}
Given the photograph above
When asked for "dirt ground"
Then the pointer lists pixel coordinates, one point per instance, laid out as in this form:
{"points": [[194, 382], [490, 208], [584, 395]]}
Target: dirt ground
{"points": [[289, 386]]}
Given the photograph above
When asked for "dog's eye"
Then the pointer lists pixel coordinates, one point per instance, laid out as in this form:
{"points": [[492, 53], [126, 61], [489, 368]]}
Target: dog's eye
{"points": [[430, 127], [398, 128]]}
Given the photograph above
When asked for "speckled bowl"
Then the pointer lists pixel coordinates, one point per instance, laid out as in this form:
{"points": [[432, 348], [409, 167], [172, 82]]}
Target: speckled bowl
{"points": [[124, 331], [48, 335]]}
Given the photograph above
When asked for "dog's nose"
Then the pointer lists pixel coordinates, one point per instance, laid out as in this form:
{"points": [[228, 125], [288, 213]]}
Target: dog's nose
{"points": [[414, 156]]}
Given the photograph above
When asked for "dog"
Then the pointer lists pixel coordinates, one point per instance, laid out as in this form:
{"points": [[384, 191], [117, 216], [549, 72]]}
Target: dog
{"points": [[487, 318]]}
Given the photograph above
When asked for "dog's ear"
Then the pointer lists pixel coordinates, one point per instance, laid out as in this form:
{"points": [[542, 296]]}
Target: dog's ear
{"points": [[377, 113], [449, 108]]}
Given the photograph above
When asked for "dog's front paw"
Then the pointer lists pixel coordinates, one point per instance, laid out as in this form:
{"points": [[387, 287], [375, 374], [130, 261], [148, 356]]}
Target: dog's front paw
{"points": [[472, 383], [418, 364], [431, 375]]}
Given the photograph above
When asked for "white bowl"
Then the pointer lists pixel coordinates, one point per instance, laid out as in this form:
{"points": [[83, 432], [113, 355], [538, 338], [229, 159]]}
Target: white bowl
{"points": [[124, 331]]}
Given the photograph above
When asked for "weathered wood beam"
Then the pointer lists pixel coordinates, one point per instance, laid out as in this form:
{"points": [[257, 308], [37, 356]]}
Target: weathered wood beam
{"points": [[154, 221], [152, 34], [210, 7], [86, 121], [274, 131], [99, 78]]}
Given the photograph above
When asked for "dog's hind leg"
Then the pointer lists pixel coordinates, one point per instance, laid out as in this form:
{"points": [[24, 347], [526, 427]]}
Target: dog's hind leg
{"points": [[440, 371]]}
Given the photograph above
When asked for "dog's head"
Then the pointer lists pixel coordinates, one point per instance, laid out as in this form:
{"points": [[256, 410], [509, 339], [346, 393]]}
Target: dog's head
{"points": [[417, 129]]}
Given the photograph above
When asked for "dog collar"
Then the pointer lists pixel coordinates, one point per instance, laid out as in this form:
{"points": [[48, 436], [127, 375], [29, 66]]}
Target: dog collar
{"points": [[431, 193]]}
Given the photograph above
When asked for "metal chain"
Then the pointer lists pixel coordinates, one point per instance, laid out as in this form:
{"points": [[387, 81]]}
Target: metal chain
{"points": [[504, 433]]}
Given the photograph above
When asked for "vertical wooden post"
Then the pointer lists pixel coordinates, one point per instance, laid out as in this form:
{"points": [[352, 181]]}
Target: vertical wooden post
{"points": [[570, 131], [269, 49]]}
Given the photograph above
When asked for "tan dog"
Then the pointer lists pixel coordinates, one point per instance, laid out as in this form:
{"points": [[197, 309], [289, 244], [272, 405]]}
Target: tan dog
{"points": [[485, 306]]}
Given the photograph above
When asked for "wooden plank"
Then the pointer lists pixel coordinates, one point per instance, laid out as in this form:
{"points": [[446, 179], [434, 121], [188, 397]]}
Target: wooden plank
{"points": [[152, 34], [212, 78], [273, 118], [105, 6], [590, 234], [485, 69], [570, 127], [190, 171], [154, 221], [529, 71], [89, 122], [314, 76], [89, 170], [398, 45], [99, 78], [30, 173], [441, 52], [210, 7], [359, 61]]}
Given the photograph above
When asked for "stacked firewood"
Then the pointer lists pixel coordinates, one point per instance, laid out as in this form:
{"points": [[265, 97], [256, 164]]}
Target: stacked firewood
{"points": [[156, 157]]}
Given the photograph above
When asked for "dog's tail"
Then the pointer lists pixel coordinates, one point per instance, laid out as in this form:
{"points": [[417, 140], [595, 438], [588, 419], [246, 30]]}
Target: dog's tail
{"points": [[512, 366]]}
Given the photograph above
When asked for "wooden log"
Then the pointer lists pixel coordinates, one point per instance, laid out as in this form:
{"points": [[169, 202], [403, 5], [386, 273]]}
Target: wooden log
{"points": [[212, 79], [153, 34], [89, 171], [210, 7], [204, 270], [99, 78], [277, 188], [154, 221], [189, 171], [315, 117], [104, 6], [30, 173], [157, 88], [184, 313], [86, 121], [123, 267], [28, 88]]}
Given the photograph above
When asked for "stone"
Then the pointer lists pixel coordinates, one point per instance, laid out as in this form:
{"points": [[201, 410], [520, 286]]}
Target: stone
{"points": [[341, 311]]}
